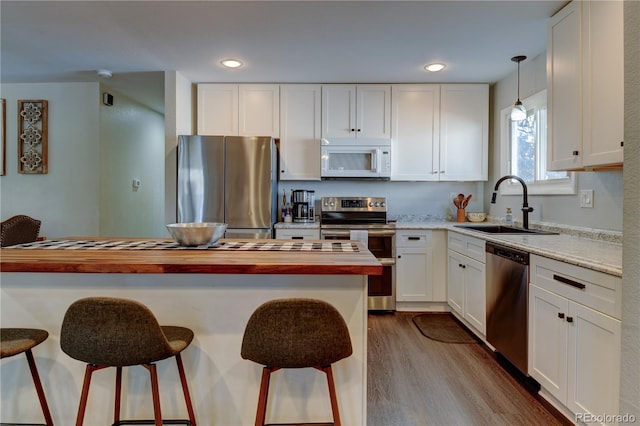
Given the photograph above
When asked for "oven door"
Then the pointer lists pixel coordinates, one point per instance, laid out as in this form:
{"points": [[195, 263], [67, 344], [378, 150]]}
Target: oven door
{"points": [[381, 288]]}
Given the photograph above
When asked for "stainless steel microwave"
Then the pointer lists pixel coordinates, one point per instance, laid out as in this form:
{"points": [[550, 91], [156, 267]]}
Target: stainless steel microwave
{"points": [[355, 158]]}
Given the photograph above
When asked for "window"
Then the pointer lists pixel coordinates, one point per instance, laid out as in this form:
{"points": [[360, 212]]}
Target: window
{"points": [[524, 152]]}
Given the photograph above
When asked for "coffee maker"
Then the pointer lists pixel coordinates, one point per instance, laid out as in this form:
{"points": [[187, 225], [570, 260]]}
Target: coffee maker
{"points": [[304, 210]]}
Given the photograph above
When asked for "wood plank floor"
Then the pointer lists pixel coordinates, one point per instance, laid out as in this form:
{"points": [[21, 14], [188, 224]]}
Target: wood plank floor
{"points": [[413, 380]]}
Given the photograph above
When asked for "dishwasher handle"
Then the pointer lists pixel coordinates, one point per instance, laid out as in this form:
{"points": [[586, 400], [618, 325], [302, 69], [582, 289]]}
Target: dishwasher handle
{"points": [[508, 253]]}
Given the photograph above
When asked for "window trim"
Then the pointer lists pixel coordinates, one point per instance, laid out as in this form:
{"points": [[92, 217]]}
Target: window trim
{"points": [[552, 187]]}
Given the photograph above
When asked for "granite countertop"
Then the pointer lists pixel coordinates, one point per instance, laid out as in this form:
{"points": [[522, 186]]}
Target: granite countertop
{"points": [[597, 250]]}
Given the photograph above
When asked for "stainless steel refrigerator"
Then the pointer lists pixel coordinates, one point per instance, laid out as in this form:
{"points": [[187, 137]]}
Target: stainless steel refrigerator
{"points": [[230, 179]]}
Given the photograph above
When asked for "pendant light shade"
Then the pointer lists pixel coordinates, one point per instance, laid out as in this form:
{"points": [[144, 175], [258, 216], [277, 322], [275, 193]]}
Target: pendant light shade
{"points": [[518, 112]]}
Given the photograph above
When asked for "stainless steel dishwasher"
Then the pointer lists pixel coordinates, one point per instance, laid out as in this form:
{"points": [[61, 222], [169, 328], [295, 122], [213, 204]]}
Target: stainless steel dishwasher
{"points": [[507, 302]]}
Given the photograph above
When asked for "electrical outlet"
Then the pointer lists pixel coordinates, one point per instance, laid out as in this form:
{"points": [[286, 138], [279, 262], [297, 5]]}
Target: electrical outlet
{"points": [[586, 198]]}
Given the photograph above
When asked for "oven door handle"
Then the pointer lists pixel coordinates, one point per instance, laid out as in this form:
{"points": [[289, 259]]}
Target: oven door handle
{"points": [[347, 233], [387, 261]]}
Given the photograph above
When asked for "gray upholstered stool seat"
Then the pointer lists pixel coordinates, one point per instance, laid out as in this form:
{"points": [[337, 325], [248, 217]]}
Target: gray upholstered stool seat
{"points": [[14, 341], [295, 333], [112, 332]]}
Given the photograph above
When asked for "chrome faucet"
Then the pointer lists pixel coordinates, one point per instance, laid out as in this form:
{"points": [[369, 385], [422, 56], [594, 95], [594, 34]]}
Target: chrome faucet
{"points": [[525, 204]]}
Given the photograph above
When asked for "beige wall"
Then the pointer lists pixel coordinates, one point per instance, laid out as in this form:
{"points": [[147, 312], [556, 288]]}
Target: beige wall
{"points": [[66, 198], [131, 147], [630, 362]]}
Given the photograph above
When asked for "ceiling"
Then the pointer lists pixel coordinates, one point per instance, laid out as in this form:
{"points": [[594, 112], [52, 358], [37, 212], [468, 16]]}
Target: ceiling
{"points": [[278, 41]]}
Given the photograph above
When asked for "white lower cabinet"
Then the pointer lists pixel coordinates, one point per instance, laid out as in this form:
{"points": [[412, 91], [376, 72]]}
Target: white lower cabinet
{"points": [[420, 276], [298, 234], [574, 349], [466, 283]]}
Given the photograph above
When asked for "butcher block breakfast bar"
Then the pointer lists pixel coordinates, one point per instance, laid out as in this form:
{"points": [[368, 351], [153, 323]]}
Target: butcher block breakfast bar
{"points": [[212, 290]]}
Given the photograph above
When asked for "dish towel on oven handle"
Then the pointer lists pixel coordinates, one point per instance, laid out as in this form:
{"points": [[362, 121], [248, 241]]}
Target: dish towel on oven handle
{"points": [[360, 235]]}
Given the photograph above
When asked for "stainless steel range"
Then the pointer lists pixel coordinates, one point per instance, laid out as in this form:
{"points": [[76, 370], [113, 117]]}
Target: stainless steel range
{"points": [[365, 218]]}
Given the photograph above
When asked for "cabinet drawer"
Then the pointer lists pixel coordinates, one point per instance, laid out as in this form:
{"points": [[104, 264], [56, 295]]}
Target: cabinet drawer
{"points": [[597, 290], [297, 234], [468, 246], [412, 239]]}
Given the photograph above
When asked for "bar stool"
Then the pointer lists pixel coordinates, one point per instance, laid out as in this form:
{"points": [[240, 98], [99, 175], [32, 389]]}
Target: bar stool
{"points": [[295, 333], [14, 341], [111, 332]]}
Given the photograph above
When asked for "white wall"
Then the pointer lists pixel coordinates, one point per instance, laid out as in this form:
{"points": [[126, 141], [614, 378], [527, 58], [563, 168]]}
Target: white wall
{"points": [[131, 147], [630, 361], [559, 209], [66, 198], [180, 113]]}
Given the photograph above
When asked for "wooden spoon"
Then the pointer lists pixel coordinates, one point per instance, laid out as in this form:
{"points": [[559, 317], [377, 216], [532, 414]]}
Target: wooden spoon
{"points": [[466, 201], [456, 202]]}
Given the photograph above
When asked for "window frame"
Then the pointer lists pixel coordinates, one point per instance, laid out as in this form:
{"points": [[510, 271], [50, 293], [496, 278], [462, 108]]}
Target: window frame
{"points": [[566, 186]]}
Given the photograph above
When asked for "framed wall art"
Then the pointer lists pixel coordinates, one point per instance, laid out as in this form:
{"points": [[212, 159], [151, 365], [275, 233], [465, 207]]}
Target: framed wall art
{"points": [[33, 136], [3, 137]]}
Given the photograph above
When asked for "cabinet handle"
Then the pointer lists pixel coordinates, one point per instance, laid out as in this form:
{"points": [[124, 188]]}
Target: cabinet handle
{"points": [[435, 172], [621, 143], [353, 130], [297, 238], [561, 315], [441, 171], [569, 319], [575, 153], [413, 238], [461, 265], [569, 282], [399, 256], [359, 130]]}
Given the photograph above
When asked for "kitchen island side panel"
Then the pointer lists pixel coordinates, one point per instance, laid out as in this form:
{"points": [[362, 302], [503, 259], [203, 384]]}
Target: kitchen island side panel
{"points": [[224, 387]]}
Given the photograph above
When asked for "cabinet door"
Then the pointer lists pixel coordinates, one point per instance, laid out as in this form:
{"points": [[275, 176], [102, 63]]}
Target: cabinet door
{"points": [[593, 361], [464, 131], [413, 280], [564, 92], [475, 295], [259, 110], [548, 341], [217, 109], [373, 109], [300, 131], [455, 282], [415, 132], [603, 82], [339, 111]]}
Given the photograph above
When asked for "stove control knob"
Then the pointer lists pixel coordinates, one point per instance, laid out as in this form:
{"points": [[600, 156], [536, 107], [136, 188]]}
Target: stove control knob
{"points": [[383, 204], [377, 204], [332, 203], [370, 203]]}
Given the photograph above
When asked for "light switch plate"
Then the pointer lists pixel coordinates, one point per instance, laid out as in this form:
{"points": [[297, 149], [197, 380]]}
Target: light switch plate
{"points": [[586, 198]]}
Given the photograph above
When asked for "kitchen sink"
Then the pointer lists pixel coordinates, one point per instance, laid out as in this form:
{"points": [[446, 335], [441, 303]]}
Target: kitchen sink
{"points": [[501, 229]]}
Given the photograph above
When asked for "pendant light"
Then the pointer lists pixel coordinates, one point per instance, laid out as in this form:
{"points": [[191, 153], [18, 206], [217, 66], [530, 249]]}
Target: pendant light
{"points": [[518, 112]]}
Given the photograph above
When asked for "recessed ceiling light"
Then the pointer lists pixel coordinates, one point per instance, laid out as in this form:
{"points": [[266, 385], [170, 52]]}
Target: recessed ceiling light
{"points": [[231, 63], [104, 73], [435, 67]]}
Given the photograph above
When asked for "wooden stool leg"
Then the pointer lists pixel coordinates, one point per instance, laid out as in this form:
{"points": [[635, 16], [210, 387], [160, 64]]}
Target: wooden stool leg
{"points": [[116, 409], [185, 390], [332, 395], [155, 392], [39, 389], [262, 398], [85, 392]]}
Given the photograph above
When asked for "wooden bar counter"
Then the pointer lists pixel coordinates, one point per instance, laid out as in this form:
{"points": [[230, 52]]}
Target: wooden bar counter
{"points": [[213, 292]]}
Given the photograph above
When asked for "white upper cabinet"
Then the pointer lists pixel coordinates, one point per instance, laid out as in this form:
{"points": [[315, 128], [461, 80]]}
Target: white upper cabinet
{"points": [[415, 132], [351, 111], [464, 131], [217, 109], [585, 86], [440, 132], [300, 131], [239, 109]]}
